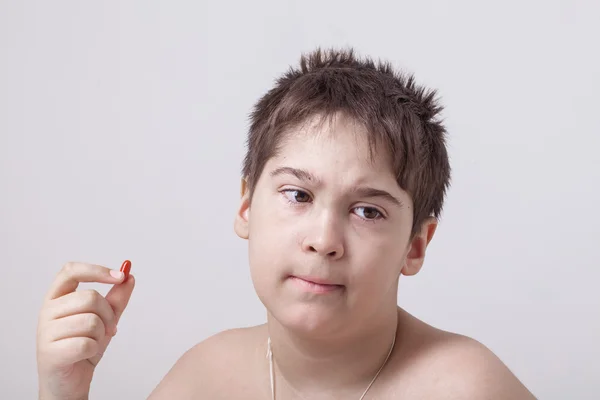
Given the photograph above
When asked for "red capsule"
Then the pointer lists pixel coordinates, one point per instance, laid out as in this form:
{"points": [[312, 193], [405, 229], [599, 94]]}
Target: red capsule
{"points": [[125, 268]]}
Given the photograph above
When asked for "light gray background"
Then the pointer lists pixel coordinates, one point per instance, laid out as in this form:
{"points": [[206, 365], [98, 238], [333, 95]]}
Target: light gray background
{"points": [[122, 133]]}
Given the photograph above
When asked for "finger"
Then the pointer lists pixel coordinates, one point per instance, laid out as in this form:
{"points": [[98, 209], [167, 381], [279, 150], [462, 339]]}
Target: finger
{"points": [[82, 302], [118, 297], [73, 273], [71, 350], [81, 325]]}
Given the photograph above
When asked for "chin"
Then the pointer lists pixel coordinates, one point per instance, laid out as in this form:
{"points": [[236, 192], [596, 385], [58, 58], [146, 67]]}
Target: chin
{"points": [[313, 319], [304, 311]]}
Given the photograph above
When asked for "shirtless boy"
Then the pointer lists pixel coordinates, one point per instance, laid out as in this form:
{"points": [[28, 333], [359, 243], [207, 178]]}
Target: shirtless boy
{"points": [[343, 186]]}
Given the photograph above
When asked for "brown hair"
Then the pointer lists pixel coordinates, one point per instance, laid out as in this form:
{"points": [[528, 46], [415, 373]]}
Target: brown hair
{"points": [[397, 113]]}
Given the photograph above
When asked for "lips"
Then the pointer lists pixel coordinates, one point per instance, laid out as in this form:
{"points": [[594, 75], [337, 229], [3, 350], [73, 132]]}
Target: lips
{"points": [[317, 280], [315, 284]]}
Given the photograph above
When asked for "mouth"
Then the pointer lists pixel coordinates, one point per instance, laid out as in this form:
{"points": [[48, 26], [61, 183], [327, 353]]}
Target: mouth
{"points": [[315, 285]]}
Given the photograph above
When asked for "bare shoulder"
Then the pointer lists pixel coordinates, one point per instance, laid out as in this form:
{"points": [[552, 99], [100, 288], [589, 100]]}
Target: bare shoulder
{"points": [[208, 369], [452, 366], [471, 370]]}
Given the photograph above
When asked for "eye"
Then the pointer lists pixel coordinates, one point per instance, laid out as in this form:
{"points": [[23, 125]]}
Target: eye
{"points": [[369, 213], [296, 196]]}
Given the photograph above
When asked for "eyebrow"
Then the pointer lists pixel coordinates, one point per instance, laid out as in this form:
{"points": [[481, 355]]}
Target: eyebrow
{"points": [[301, 174], [361, 191], [364, 191]]}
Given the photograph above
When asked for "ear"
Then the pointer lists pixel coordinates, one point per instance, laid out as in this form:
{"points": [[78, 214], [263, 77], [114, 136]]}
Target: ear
{"points": [[241, 224], [418, 246]]}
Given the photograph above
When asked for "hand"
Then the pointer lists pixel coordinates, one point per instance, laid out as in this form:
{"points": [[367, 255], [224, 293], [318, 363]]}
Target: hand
{"points": [[75, 328]]}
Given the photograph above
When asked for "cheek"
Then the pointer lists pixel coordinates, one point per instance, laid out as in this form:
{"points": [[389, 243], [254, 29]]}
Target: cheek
{"points": [[377, 263], [272, 225], [270, 243], [269, 255]]}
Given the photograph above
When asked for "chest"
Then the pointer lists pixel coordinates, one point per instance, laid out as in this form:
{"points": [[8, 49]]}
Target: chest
{"points": [[252, 387]]}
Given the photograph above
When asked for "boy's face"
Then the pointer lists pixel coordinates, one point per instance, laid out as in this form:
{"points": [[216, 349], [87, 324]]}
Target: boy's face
{"points": [[324, 212]]}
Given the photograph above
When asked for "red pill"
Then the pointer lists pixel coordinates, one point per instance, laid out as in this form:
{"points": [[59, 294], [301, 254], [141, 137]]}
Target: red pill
{"points": [[125, 268]]}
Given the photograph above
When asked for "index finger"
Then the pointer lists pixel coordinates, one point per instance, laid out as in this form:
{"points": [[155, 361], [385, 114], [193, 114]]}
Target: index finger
{"points": [[73, 273]]}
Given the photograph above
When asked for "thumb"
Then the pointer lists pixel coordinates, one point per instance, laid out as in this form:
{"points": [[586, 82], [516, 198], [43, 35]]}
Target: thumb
{"points": [[118, 297]]}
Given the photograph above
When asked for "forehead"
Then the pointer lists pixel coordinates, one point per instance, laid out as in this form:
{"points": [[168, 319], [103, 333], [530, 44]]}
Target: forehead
{"points": [[335, 145]]}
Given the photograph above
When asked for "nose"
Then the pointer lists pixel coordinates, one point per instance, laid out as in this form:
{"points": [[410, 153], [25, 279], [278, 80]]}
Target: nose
{"points": [[325, 238]]}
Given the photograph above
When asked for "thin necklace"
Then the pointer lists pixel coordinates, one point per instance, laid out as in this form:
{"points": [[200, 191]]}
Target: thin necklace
{"points": [[272, 375]]}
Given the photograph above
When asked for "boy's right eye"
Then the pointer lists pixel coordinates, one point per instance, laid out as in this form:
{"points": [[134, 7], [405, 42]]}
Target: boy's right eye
{"points": [[296, 196]]}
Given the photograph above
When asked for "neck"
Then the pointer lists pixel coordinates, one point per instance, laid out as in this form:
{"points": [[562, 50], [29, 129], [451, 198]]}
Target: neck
{"points": [[344, 363]]}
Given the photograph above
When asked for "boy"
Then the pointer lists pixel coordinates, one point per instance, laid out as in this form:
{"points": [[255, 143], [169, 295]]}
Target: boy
{"points": [[343, 184]]}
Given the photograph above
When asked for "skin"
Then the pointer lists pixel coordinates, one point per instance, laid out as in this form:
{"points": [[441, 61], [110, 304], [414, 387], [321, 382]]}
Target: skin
{"points": [[310, 217], [75, 328], [307, 218]]}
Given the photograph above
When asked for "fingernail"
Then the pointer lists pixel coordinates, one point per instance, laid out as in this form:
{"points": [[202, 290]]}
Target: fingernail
{"points": [[116, 274], [115, 331]]}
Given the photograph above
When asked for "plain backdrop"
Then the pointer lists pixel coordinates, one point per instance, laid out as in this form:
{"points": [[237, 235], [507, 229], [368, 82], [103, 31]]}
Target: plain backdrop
{"points": [[122, 129]]}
